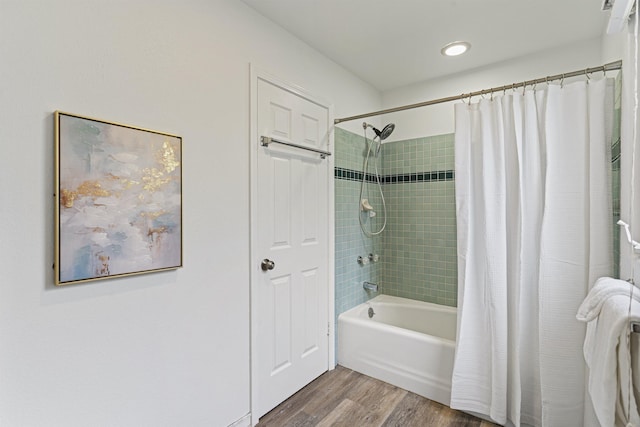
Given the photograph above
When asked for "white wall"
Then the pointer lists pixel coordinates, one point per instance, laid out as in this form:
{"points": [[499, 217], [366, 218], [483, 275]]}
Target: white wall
{"points": [[163, 349], [438, 119]]}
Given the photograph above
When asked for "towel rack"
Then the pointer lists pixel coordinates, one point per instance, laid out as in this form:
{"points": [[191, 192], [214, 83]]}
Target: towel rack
{"points": [[265, 141]]}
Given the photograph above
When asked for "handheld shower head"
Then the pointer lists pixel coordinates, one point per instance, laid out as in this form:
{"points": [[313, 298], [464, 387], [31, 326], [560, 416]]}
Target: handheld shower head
{"points": [[384, 133]]}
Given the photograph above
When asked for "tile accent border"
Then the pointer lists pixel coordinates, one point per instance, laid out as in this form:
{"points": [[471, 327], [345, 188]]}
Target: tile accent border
{"points": [[353, 175], [431, 176]]}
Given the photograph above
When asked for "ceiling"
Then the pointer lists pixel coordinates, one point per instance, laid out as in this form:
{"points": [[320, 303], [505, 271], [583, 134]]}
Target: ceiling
{"points": [[392, 43]]}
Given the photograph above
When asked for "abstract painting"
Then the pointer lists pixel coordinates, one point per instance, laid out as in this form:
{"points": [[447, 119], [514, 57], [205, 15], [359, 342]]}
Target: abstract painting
{"points": [[118, 200]]}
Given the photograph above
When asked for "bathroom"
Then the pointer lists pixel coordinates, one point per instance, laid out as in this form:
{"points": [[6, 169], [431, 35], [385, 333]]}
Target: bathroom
{"points": [[174, 348]]}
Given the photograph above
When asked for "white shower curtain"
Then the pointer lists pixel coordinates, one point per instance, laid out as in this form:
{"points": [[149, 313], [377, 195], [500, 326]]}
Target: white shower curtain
{"points": [[533, 208]]}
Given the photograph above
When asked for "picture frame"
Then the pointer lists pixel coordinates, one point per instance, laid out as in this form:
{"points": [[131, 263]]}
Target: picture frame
{"points": [[118, 198]]}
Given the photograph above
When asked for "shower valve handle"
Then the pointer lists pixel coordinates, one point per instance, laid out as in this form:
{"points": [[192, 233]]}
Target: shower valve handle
{"points": [[267, 264]]}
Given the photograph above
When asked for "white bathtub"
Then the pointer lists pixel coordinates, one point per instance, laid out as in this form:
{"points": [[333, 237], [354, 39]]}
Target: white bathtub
{"points": [[407, 343]]}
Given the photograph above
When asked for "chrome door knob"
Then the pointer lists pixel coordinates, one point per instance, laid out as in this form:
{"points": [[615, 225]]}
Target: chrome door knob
{"points": [[267, 264]]}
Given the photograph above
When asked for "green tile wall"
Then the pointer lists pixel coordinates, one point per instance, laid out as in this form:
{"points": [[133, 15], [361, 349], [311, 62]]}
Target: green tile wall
{"points": [[417, 249], [420, 259], [350, 241], [615, 174]]}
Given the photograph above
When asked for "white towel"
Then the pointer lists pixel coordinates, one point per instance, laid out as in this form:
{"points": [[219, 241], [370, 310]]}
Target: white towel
{"points": [[606, 352], [604, 288]]}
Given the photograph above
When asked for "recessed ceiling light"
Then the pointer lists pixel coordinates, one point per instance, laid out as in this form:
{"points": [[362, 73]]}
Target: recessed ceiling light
{"points": [[455, 48]]}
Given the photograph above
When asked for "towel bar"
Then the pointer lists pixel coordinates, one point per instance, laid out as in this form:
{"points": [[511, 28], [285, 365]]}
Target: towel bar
{"points": [[265, 141]]}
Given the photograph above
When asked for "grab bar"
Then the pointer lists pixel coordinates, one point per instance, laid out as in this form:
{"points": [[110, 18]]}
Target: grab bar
{"points": [[265, 141]]}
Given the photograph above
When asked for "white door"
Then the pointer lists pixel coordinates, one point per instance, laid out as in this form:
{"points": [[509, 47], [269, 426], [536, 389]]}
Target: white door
{"points": [[290, 328]]}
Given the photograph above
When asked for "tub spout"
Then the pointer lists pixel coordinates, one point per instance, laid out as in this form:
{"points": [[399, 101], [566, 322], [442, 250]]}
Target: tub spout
{"points": [[368, 286]]}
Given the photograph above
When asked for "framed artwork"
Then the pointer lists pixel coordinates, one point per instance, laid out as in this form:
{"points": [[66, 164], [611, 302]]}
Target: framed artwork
{"points": [[118, 200]]}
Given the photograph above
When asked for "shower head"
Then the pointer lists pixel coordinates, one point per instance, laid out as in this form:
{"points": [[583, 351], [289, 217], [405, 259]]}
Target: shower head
{"points": [[384, 133]]}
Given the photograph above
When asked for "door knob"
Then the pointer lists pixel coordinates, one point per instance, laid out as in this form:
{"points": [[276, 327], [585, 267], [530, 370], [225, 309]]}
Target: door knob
{"points": [[267, 264]]}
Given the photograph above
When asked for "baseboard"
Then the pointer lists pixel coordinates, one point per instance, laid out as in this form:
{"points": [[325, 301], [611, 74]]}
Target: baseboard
{"points": [[242, 422]]}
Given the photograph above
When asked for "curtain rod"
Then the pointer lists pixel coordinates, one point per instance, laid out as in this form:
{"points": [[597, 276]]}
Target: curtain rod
{"points": [[616, 65]]}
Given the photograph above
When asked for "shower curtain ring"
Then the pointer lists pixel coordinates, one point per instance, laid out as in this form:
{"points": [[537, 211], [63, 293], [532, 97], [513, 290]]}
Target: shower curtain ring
{"points": [[524, 87], [586, 74], [562, 82]]}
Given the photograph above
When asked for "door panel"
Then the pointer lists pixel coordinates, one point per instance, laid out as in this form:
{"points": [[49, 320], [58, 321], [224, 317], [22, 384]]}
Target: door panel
{"points": [[281, 212], [281, 324], [308, 197], [311, 295]]}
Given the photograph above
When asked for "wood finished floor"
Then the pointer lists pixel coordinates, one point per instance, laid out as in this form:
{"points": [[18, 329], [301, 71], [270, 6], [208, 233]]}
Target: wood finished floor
{"points": [[343, 397]]}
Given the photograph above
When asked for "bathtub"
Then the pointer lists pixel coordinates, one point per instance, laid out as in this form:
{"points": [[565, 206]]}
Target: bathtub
{"points": [[407, 343]]}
